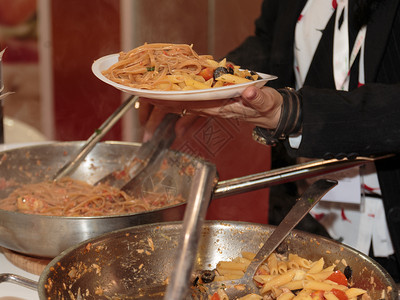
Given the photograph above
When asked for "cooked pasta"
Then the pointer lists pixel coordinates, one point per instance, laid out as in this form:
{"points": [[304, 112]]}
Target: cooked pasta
{"points": [[69, 197], [173, 67], [300, 279]]}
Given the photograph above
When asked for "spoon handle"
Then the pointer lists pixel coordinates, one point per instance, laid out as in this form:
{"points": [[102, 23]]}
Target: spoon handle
{"points": [[99, 133]]}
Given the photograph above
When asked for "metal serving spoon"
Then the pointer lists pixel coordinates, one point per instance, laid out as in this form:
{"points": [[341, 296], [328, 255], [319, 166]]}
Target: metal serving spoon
{"points": [[146, 155], [97, 135], [245, 285]]}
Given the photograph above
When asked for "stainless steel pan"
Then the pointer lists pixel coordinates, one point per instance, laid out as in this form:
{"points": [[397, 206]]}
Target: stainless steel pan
{"points": [[47, 236], [135, 263]]}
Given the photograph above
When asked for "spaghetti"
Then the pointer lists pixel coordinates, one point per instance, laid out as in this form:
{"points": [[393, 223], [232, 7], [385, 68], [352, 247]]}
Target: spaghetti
{"points": [[70, 197], [173, 67]]}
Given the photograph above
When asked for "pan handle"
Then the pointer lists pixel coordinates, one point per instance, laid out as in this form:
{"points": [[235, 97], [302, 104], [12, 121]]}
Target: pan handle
{"points": [[287, 174], [20, 280]]}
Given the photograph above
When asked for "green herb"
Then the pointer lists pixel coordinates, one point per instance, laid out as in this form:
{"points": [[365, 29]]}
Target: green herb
{"points": [[98, 131], [311, 200], [150, 69]]}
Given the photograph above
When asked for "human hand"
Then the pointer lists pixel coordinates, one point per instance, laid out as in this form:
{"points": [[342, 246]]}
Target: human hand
{"points": [[259, 107], [150, 117]]}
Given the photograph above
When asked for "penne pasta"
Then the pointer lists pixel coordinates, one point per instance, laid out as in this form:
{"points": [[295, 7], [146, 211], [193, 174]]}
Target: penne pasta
{"points": [[317, 285], [264, 278], [321, 276], [354, 292], [317, 266], [294, 285], [299, 261], [272, 263], [231, 265], [278, 281], [251, 297], [291, 278], [249, 255], [282, 267], [330, 296], [286, 296], [227, 272]]}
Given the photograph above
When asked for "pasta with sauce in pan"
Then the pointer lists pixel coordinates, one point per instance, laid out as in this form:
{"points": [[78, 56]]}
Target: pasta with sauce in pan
{"points": [[74, 198], [289, 277]]}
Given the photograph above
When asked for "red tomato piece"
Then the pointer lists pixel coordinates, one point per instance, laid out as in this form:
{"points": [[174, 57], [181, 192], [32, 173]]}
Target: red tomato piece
{"points": [[230, 66], [262, 271], [338, 277], [207, 73], [215, 297], [318, 295], [339, 294]]}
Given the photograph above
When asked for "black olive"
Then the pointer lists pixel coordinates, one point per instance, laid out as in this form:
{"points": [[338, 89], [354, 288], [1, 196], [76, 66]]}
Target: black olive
{"points": [[207, 276], [230, 70], [196, 281], [253, 73], [220, 71], [348, 272], [249, 78]]}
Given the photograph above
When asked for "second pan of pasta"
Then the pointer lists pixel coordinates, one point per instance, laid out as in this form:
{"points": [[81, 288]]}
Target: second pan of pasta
{"points": [[40, 217], [137, 262]]}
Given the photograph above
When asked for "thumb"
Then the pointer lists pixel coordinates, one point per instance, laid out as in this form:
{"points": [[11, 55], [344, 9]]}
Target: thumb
{"points": [[263, 100]]}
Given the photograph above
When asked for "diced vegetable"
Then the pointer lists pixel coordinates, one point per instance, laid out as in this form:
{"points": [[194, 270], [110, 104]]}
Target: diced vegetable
{"points": [[207, 73], [338, 277]]}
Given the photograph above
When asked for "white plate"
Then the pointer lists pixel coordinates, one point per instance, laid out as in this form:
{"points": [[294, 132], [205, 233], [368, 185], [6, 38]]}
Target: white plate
{"points": [[224, 92]]}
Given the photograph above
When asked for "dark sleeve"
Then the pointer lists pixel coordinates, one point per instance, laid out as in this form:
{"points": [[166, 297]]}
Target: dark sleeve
{"points": [[365, 121], [254, 52]]}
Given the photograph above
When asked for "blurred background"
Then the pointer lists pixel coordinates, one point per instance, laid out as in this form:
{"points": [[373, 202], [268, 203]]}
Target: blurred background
{"points": [[50, 46]]}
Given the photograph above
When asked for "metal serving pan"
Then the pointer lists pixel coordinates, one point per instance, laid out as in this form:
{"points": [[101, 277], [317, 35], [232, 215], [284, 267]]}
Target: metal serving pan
{"points": [[47, 236], [135, 263]]}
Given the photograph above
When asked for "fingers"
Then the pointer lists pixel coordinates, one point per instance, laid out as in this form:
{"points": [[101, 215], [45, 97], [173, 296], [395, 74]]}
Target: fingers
{"points": [[184, 124], [264, 100], [267, 102], [260, 107], [231, 110], [178, 106], [154, 119], [144, 112], [150, 117]]}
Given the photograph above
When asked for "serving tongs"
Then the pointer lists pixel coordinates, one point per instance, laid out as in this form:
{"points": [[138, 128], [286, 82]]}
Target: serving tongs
{"points": [[149, 153], [97, 135], [288, 174], [146, 155], [253, 182], [245, 285]]}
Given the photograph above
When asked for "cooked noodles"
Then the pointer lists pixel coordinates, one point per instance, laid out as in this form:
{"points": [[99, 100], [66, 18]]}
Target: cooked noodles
{"points": [[172, 67], [69, 197], [288, 277]]}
